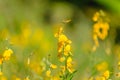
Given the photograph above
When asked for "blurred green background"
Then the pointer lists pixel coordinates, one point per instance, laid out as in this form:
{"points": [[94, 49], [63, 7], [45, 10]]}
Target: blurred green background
{"points": [[28, 26]]}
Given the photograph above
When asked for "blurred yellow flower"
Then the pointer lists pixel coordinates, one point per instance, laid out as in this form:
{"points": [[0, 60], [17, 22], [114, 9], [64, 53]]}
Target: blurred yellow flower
{"points": [[62, 59], [1, 73], [64, 54], [67, 50], [69, 60], [100, 28], [106, 74], [62, 38], [53, 66], [7, 53], [48, 73], [102, 66], [60, 30], [96, 16], [36, 67], [63, 43], [70, 65]]}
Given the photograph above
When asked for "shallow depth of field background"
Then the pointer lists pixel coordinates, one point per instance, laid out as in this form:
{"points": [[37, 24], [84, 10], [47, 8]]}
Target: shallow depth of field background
{"points": [[28, 26]]}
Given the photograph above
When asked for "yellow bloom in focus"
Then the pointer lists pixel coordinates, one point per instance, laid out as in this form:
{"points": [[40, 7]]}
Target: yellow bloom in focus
{"points": [[53, 66], [48, 73], [106, 74], [7, 54]]}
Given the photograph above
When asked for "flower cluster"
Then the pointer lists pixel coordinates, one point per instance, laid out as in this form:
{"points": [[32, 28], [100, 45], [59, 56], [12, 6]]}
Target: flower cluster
{"points": [[64, 54], [100, 28]]}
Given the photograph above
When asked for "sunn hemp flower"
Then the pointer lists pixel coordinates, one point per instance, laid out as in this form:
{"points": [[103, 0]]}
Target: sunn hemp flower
{"points": [[100, 28], [64, 55]]}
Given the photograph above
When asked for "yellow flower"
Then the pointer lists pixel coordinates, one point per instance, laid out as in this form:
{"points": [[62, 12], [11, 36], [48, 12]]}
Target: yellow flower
{"points": [[62, 59], [106, 74], [102, 66], [70, 65], [100, 28], [60, 30], [62, 38], [67, 50], [53, 66], [69, 60], [96, 16], [48, 73], [7, 54], [1, 73], [60, 47]]}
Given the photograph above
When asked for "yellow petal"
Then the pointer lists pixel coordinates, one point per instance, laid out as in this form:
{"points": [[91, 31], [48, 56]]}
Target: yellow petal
{"points": [[53, 66]]}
